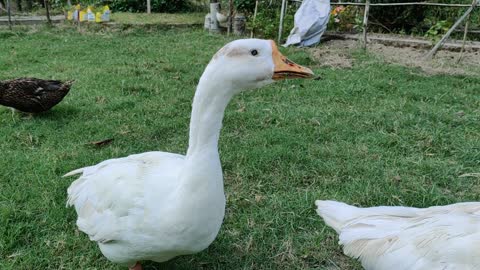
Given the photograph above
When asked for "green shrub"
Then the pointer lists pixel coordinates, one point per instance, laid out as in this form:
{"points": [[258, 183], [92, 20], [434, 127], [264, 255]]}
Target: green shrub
{"points": [[245, 5], [268, 21], [437, 29], [346, 19], [168, 6]]}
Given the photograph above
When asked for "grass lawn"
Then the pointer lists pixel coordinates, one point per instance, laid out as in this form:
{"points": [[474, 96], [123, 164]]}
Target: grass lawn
{"points": [[375, 134], [159, 18]]}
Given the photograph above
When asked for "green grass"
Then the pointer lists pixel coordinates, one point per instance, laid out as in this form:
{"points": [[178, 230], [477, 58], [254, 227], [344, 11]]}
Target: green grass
{"points": [[158, 18], [375, 134]]}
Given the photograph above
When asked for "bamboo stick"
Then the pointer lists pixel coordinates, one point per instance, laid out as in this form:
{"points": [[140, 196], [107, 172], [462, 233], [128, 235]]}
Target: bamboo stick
{"points": [[401, 42], [365, 23], [282, 14], [467, 23], [401, 4], [230, 17], [432, 52], [464, 39]]}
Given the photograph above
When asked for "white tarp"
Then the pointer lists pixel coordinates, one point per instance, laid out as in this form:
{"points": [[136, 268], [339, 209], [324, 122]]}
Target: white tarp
{"points": [[310, 23]]}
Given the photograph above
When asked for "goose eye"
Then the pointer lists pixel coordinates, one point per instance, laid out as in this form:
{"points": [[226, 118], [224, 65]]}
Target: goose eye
{"points": [[254, 52]]}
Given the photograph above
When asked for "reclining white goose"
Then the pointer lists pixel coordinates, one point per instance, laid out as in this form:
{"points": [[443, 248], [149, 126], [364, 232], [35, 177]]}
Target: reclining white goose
{"points": [[407, 238], [158, 205]]}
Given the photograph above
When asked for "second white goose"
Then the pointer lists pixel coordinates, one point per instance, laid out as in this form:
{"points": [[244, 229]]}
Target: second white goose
{"points": [[406, 238]]}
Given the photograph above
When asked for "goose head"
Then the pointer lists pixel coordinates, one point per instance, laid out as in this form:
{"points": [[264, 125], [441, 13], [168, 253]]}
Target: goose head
{"points": [[249, 64]]}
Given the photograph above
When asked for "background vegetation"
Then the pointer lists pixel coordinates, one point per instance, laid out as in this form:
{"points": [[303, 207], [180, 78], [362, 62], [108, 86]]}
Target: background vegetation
{"points": [[397, 19], [420, 20]]}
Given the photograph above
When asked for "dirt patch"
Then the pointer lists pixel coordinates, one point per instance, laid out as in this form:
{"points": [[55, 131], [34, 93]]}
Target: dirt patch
{"points": [[338, 54], [335, 53]]}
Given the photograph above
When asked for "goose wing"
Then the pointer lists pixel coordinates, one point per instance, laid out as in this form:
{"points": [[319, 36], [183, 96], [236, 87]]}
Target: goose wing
{"points": [[110, 196]]}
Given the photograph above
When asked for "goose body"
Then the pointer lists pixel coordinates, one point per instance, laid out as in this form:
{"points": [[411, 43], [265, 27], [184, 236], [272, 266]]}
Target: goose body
{"points": [[407, 238], [32, 95], [158, 205], [136, 207]]}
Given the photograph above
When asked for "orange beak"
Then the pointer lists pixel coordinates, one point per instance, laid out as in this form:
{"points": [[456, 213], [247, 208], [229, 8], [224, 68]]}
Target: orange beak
{"points": [[286, 69]]}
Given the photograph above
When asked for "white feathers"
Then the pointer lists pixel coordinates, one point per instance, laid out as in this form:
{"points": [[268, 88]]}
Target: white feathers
{"points": [[136, 209], [74, 172], [108, 194], [405, 238]]}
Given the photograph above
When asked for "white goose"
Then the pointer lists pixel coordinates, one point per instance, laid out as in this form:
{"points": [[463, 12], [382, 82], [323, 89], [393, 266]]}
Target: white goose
{"points": [[158, 205], [407, 238]]}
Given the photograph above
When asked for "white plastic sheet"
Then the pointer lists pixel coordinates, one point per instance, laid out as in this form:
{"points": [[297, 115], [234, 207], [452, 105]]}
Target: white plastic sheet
{"points": [[311, 21]]}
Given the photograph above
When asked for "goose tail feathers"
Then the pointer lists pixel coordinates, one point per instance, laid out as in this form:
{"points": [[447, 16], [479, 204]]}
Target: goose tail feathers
{"points": [[74, 172], [336, 214]]}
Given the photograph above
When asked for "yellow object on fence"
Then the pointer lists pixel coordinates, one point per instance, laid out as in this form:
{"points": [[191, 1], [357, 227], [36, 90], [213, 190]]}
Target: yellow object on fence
{"points": [[98, 17], [106, 14], [89, 14], [83, 16]]}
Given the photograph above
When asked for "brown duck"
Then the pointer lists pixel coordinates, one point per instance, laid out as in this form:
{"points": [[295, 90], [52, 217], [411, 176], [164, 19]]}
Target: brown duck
{"points": [[32, 95]]}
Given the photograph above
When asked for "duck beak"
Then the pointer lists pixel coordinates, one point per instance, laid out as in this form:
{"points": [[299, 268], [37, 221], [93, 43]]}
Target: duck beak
{"points": [[286, 69]]}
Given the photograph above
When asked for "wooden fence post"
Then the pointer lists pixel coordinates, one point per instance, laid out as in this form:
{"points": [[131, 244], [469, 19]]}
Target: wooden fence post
{"points": [[365, 23], [434, 50], [49, 21], [9, 11]]}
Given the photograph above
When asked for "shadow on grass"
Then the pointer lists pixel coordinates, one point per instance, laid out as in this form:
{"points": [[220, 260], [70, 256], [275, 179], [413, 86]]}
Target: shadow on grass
{"points": [[64, 112]]}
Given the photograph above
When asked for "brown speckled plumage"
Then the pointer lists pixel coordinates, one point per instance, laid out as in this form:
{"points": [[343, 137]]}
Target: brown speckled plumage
{"points": [[32, 95]]}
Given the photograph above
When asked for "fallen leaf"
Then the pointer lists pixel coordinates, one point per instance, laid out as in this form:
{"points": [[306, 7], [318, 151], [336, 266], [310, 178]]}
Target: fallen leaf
{"points": [[101, 143]]}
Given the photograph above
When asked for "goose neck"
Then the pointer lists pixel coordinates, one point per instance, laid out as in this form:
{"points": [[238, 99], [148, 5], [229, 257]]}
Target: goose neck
{"points": [[209, 103]]}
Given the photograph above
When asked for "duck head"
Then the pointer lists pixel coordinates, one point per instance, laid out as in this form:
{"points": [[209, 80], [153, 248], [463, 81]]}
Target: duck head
{"points": [[252, 63]]}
